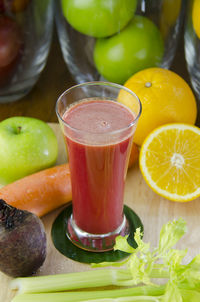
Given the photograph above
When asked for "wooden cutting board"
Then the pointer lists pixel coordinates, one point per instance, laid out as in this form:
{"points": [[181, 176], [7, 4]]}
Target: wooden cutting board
{"points": [[152, 209]]}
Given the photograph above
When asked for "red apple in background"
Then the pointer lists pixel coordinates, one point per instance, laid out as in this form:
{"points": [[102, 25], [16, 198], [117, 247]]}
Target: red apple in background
{"points": [[19, 5], [2, 7], [10, 40], [10, 47], [14, 6]]}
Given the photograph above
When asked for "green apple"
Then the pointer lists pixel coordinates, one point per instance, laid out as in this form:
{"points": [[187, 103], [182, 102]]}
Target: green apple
{"points": [[27, 145], [98, 18], [136, 47]]}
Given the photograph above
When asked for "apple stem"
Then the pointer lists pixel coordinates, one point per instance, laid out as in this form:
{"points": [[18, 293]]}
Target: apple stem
{"points": [[19, 128]]}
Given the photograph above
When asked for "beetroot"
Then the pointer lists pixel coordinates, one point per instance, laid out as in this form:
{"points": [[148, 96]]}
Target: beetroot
{"points": [[22, 241]]}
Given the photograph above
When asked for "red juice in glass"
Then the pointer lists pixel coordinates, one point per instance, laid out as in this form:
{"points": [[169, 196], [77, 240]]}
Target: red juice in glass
{"points": [[98, 164], [98, 132]]}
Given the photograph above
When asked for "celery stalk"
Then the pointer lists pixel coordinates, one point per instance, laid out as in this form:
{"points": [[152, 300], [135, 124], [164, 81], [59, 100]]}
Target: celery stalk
{"points": [[127, 299], [70, 281], [89, 295]]}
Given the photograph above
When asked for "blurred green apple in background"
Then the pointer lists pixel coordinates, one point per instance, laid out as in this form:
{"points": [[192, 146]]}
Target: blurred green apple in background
{"points": [[136, 47], [98, 18], [27, 145]]}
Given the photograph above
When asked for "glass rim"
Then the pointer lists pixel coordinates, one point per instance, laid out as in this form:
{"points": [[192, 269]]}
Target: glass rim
{"points": [[100, 83]]}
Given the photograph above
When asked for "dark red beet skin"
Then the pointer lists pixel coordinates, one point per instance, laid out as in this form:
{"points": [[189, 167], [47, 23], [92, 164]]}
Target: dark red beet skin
{"points": [[22, 241]]}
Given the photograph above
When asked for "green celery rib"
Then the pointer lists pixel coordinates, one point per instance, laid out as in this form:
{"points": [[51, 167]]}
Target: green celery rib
{"points": [[89, 295], [70, 281], [157, 273], [128, 299]]}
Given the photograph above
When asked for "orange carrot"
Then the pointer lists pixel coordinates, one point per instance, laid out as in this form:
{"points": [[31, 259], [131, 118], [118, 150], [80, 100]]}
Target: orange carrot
{"points": [[41, 192]]}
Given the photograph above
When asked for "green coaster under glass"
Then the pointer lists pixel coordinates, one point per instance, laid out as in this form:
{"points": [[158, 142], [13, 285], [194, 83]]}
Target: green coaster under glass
{"points": [[67, 248]]}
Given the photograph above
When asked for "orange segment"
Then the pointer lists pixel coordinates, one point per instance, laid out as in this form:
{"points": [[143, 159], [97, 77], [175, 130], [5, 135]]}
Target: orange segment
{"points": [[170, 161]]}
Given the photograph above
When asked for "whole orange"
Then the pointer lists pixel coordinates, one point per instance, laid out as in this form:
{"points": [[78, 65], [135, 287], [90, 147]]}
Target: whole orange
{"points": [[165, 98]]}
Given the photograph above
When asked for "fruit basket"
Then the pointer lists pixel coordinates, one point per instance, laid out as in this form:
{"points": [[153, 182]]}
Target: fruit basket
{"points": [[25, 36], [113, 40]]}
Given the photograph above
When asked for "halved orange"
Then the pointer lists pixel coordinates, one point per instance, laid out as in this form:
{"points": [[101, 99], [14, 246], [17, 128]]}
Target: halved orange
{"points": [[170, 161]]}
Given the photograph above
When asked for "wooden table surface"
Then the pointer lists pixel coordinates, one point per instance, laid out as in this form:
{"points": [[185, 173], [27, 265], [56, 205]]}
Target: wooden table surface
{"points": [[56, 78], [153, 210]]}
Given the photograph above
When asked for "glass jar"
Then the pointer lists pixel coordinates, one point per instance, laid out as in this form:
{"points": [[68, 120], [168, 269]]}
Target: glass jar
{"points": [[25, 36], [113, 39], [192, 44]]}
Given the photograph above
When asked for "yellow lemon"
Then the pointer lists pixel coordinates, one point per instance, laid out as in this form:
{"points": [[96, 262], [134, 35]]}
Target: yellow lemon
{"points": [[170, 161], [165, 97], [196, 17]]}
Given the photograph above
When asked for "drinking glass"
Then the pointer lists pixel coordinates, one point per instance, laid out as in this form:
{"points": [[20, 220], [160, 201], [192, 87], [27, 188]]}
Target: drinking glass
{"points": [[98, 131], [192, 47], [25, 38]]}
